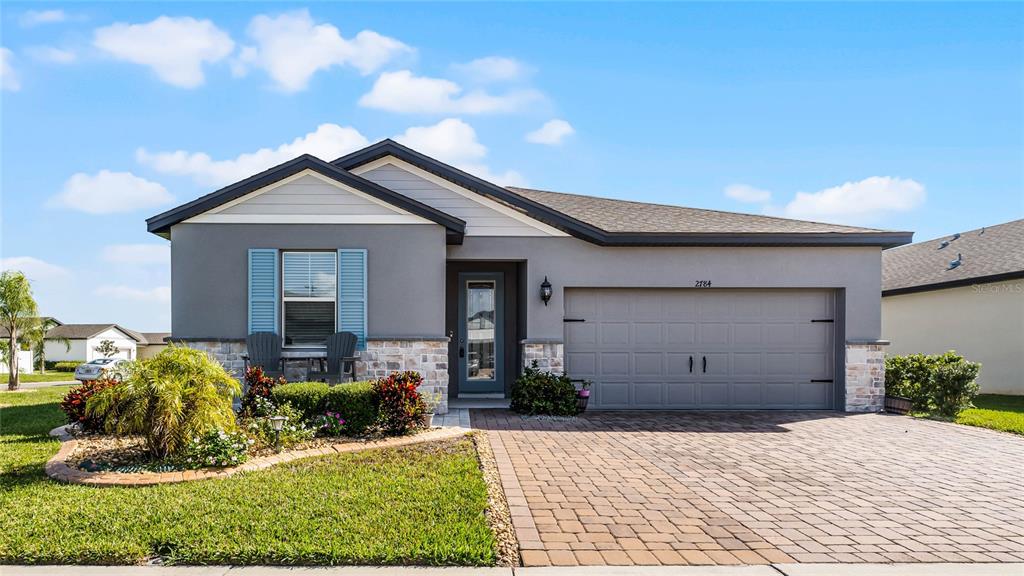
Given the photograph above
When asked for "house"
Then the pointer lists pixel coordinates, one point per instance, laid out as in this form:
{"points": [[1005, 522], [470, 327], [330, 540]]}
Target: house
{"points": [[25, 356], [963, 292], [660, 306], [84, 340]]}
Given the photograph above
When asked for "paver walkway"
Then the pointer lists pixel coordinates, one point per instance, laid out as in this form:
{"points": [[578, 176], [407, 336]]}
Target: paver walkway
{"points": [[757, 487]]}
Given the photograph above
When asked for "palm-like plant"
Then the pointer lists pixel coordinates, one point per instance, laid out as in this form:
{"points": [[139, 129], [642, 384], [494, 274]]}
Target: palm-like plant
{"points": [[179, 394], [36, 337], [18, 313]]}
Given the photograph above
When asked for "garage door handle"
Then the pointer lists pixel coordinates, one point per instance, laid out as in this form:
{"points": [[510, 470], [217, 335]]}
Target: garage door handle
{"points": [[691, 364], [705, 361], [815, 381]]}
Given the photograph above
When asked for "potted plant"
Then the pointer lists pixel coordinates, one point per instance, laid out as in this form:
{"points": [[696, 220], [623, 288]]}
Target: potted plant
{"points": [[431, 400], [583, 395]]}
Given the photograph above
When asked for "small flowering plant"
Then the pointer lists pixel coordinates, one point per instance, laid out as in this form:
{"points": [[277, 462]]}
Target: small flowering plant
{"points": [[330, 424], [216, 448], [294, 431]]}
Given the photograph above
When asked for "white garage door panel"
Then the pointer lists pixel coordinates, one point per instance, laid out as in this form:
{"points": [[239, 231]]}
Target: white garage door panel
{"points": [[761, 348]]}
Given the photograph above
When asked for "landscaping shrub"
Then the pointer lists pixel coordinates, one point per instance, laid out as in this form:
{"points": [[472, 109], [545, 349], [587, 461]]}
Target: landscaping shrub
{"points": [[539, 392], [953, 387], [258, 386], [74, 403], [401, 408], [169, 399], [294, 431], [215, 448], [917, 377], [306, 397], [63, 365], [357, 403]]}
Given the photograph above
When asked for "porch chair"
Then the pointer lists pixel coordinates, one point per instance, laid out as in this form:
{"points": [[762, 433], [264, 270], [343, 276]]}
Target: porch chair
{"points": [[341, 359], [264, 349]]}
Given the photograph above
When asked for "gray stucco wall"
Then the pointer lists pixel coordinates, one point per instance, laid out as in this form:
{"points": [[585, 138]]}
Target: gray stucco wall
{"points": [[405, 269], [569, 262]]}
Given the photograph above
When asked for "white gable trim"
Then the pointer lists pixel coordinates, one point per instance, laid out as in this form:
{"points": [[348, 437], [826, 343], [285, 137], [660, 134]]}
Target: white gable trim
{"points": [[398, 216], [471, 195]]}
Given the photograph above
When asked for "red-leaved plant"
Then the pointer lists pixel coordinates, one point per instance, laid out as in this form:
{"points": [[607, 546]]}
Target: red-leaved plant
{"points": [[401, 407], [257, 386], [74, 402]]}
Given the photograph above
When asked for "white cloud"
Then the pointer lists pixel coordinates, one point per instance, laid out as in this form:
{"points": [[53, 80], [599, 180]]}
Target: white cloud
{"points": [[35, 17], [108, 192], [328, 142], [492, 69], [8, 76], [52, 54], [33, 268], [121, 292], [551, 133], [745, 193], [291, 48], [856, 201], [405, 93], [174, 47], [453, 141], [137, 254]]}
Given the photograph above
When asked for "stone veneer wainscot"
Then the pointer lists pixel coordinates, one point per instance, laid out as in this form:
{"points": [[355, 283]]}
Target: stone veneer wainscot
{"points": [[382, 356], [549, 355], [865, 376]]}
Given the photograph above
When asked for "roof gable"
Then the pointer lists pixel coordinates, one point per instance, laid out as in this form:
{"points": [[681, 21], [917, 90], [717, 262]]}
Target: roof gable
{"points": [[86, 331], [161, 223], [483, 216], [987, 254], [581, 216]]}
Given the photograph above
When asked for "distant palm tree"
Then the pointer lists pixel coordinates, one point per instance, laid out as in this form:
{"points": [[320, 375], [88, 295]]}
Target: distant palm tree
{"points": [[18, 313], [36, 337]]}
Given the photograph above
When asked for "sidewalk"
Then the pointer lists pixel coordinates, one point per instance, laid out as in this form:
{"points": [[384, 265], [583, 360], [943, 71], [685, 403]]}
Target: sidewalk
{"points": [[772, 570]]}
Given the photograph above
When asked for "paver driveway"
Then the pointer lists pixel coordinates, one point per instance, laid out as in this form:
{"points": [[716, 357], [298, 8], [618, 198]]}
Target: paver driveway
{"points": [[746, 488]]}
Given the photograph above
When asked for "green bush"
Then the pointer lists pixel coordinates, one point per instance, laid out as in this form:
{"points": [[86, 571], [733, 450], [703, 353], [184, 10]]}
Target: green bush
{"points": [[933, 383], [538, 392], [953, 387], [306, 397], [216, 448], [356, 402], [64, 365], [907, 376], [293, 431], [169, 399]]}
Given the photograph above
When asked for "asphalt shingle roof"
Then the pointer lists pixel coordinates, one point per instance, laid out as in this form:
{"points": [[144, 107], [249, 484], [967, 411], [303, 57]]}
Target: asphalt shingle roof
{"points": [[998, 251], [613, 215]]}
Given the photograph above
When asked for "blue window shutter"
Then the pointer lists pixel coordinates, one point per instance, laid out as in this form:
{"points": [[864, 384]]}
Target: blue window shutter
{"points": [[352, 293], [263, 292]]}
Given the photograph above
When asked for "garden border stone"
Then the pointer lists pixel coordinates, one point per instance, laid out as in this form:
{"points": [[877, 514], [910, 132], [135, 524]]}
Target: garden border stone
{"points": [[58, 469]]}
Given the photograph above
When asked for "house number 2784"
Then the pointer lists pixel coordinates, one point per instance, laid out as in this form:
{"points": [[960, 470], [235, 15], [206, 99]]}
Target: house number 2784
{"points": [[702, 284]]}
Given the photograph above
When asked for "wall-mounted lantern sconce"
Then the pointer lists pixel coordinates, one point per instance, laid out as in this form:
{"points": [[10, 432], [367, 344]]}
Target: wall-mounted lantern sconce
{"points": [[545, 290]]}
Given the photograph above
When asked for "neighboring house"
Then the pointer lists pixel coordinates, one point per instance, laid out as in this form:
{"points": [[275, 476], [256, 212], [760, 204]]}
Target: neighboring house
{"points": [[25, 364], [152, 343], [660, 306], [976, 307], [85, 338]]}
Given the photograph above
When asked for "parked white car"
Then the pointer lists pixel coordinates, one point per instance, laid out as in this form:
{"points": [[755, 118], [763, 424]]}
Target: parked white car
{"points": [[97, 368]]}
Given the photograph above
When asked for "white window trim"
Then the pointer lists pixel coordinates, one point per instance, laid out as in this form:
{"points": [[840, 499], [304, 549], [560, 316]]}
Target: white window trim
{"points": [[286, 299]]}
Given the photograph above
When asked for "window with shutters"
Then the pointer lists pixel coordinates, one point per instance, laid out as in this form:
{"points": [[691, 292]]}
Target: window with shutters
{"points": [[309, 292]]}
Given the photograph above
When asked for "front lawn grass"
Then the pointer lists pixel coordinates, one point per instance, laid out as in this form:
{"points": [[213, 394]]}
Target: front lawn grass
{"points": [[995, 411], [415, 505], [37, 377]]}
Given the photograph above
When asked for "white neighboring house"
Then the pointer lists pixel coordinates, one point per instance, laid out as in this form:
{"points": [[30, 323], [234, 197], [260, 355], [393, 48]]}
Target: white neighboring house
{"points": [[24, 356], [85, 338]]}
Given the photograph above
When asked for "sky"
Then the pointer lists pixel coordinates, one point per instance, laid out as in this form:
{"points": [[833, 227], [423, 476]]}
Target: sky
{"points": [[895, 116]]}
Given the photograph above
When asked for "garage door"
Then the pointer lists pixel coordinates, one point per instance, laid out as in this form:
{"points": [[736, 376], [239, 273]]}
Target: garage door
{"points": [[704, 349]]}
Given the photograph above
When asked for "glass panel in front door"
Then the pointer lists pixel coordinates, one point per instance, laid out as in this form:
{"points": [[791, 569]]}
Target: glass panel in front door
{"points": [[480, 335]]}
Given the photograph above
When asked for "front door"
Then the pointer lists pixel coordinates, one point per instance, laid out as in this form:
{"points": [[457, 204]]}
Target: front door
{"points": [[481, 322]]}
